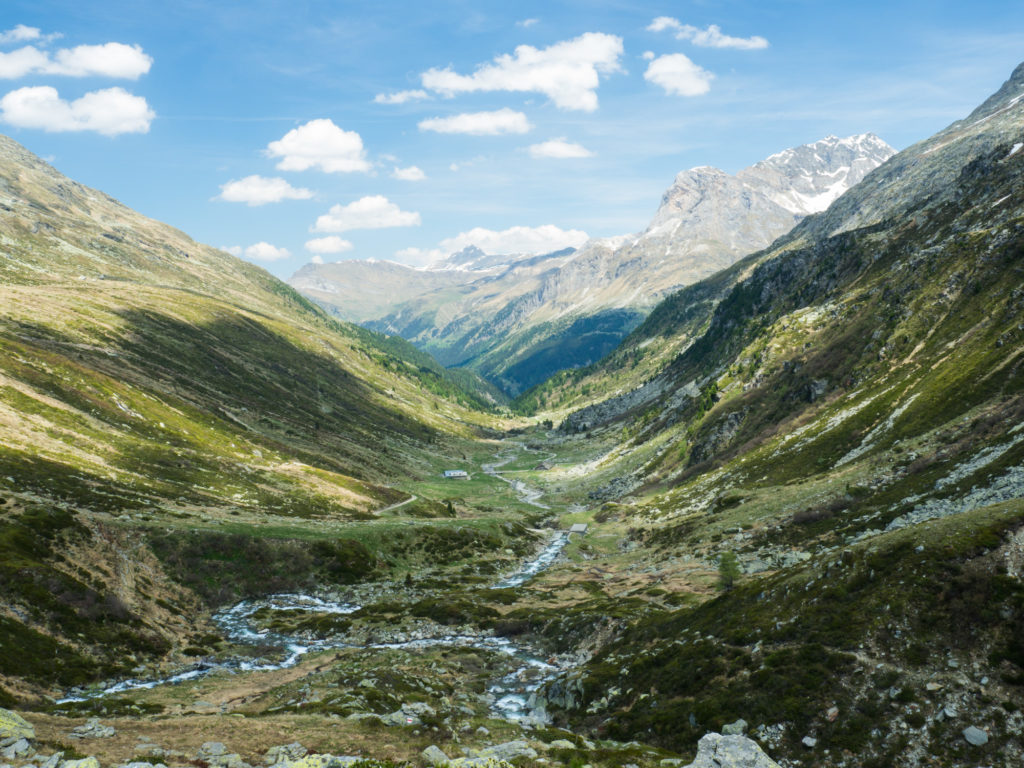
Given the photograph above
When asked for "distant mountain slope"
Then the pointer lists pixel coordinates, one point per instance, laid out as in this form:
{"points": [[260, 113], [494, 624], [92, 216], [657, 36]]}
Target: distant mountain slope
{"points": [[842, 412], [516, 320]]}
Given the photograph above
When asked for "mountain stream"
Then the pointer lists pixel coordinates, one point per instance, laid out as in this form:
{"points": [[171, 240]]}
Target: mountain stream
{"points": [[511, 693]]}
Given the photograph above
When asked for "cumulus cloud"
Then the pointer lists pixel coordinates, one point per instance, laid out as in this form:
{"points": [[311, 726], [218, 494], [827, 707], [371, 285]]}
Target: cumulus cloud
{"points": [[318, 259], [259, 190], [543, 239], [110, 112], [370, 212], [678, 75], [401, 97], [107, 60], [479, 123], [712, 37], [412, 173], [117, 60], [320, 144], [648, 55], [567, 72], [559, 149], [261, 251], [329, 244], [22, 62], [22, 34]]}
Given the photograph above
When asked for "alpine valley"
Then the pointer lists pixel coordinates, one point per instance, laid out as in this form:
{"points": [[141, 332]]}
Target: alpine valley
{"points": [[757, 498], [518, 319]]}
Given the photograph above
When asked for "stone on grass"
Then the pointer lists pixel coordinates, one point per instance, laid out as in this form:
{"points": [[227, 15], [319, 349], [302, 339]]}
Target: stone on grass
{"points": [[717, 751], [735, 729], [975, 735], [93, 729], [434, 756], [510, 750], [85, 762], [809, 741], [13, 726], [561, 744]]}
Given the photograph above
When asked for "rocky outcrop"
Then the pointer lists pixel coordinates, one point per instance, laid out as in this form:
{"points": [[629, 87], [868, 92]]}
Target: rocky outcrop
{"points": [[717, 751]]}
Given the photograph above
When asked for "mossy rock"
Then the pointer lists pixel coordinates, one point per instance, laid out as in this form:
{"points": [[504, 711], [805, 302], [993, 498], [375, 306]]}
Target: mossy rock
{"points": [[14, 726]]}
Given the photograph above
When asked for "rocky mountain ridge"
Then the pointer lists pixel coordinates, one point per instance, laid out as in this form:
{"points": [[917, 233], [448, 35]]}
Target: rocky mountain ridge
{"points": [[516, 320]]}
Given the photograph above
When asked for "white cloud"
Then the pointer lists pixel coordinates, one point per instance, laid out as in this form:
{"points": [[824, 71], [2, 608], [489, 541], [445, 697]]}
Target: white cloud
{"points": [[567, 72], [678, 75], [401, 97], [259, 190], [526, 23], [108, 60], [329, 244], [412, 173], [371, 212], [20, 34], [543, 239], [320, 143], [479, 123], [454, 167], [22, 62], [712, 37], [110, 111], [263, 251], [647, 55], [318, 259], [560, 149]]}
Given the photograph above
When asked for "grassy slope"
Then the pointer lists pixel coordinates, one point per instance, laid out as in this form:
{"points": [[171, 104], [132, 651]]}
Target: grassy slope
{"points": [[865, 371], [149, 383]]}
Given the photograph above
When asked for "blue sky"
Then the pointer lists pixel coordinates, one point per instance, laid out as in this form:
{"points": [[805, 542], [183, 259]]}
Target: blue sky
{"points": [[274, 128]]}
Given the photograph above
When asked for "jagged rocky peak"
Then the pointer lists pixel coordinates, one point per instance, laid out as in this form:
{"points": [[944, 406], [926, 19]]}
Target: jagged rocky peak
{"points": [[800, 180], [809, 178], [468, 258]]}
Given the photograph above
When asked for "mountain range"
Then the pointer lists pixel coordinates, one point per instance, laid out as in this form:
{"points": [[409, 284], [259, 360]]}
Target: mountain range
{"points": [[795, 487], [518, 319]]}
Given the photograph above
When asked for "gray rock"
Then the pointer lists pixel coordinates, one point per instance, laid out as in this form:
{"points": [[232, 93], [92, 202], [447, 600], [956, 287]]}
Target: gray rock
{"points": [[717, 751], [14, 726], [975, 736], [562, 744], [20, 748], [85, 762], [510, 750], [93, 729], [211, 749], [809, 741], [284, 753], [434, 756], [53, 760], [735, 729]]}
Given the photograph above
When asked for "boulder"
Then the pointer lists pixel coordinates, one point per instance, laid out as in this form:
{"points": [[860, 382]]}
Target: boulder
{"points": [[324, 761], [510, 750], [284, 753], [19, 748], [434, 756], [93, 729], [735, 729], [562, 744], [717, 751], [13, 727], [85, 762], [975, 736]]}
